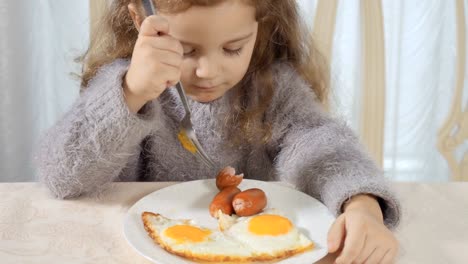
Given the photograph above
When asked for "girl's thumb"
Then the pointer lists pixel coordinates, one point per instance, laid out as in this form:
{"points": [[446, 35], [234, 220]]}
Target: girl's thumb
{"points": [[336, 234], [154, 26]]}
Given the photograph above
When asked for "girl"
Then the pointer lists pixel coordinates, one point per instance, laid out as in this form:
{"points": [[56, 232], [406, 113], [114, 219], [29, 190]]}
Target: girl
{"points": [[256, 90]]}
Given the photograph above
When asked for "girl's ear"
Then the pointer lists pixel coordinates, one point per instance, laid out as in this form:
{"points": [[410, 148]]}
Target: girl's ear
{"points": [[136, 17]]}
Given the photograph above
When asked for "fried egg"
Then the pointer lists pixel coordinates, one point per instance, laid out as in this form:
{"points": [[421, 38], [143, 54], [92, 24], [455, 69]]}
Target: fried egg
{"points": [[262, 237], [269, 234], [187, 239]]}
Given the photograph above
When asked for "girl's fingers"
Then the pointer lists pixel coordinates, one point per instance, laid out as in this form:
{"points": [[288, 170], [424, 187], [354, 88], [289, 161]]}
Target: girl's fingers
{"points": [[165, 42], [369, 248], [376, 256], [354, 243], [389, 257], [168, 58], [173, 78], [154, 26], [336, 234]]}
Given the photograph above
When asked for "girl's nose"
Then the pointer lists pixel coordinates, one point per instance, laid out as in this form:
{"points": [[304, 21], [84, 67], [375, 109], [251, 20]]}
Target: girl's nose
{"points": [[206, 68]]}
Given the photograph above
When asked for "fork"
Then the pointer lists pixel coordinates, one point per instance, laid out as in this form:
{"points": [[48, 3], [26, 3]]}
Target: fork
{"points": [[186, 134]]}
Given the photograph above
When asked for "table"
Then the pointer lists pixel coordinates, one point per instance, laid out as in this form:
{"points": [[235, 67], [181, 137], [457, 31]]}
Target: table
{"points": [[36, 228]]}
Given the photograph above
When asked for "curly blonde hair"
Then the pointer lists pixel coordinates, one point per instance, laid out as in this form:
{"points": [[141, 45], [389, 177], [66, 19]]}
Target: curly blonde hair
{"points": [[281, 37]]}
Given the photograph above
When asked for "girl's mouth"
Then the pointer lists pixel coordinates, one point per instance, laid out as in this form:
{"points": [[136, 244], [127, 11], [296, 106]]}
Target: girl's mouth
{"points": [[205, 87]]}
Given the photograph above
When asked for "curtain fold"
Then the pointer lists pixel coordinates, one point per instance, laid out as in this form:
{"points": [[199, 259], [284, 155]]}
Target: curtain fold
{"points": [[373, 78], [324, 25], [454, 133], [420, 39], [39, 41], [414, 80]]}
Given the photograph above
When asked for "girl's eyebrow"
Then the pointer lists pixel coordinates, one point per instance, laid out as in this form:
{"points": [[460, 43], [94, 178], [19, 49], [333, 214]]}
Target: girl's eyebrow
{"points": [[227, 42], [240, 38]]}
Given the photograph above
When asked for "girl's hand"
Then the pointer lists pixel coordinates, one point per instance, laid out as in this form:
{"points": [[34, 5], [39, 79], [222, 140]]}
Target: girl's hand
{"points": [[155, 64], [361, 234]]}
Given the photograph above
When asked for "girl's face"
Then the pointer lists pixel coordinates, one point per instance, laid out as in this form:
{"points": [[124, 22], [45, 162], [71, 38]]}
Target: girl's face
{"points": [[218, 42]]}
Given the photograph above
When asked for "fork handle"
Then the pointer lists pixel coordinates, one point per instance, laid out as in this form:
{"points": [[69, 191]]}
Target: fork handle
{"points": [[150, 9], [183, 97]]}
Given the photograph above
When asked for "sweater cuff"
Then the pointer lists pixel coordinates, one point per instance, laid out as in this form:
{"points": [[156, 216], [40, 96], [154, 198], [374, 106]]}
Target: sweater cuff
{"points": [[105, 103], [338, 190]]}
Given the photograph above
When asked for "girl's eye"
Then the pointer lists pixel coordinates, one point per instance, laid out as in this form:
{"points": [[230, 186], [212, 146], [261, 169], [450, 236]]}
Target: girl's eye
{"points": [[229, 52], [235, 52], [189, 52]]}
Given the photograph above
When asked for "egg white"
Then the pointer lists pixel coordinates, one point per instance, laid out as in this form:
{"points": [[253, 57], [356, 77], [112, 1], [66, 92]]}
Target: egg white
{"points": [[235, 243], [217, 246], [273, 245]]}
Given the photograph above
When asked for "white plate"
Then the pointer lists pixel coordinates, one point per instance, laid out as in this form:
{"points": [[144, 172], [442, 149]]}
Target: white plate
{"points": [[190, 200]]}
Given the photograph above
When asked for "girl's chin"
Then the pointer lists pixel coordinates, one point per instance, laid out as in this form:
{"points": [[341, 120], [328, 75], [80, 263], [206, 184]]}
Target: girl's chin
{"points": [[205, 98]]}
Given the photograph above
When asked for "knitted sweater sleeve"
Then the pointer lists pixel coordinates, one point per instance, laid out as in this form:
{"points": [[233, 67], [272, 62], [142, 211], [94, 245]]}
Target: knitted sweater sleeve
{"points": [[320, 155], [96, 140]]}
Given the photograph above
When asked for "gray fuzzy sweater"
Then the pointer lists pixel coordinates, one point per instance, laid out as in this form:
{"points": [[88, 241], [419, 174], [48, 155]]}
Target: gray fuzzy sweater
{"points": [[99, 141]]}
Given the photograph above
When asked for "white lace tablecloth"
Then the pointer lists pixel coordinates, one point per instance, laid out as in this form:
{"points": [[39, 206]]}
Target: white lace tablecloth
{"points": [[36, 228]]}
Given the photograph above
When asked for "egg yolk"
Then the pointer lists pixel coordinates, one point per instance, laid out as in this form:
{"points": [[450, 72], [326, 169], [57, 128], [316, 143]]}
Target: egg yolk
{"points": [[272, 225], [186, 142], [187, 233]]}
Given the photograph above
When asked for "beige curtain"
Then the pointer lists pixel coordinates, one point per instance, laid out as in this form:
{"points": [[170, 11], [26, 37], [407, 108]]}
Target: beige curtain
{"points": [[455, 130], [453, 135], [373, 103], [96, 11], [324, 26]]}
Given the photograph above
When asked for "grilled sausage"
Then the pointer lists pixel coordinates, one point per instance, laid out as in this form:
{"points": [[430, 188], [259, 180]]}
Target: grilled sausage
{"points": [[227, 177], [223, 201], [249, 202]]}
